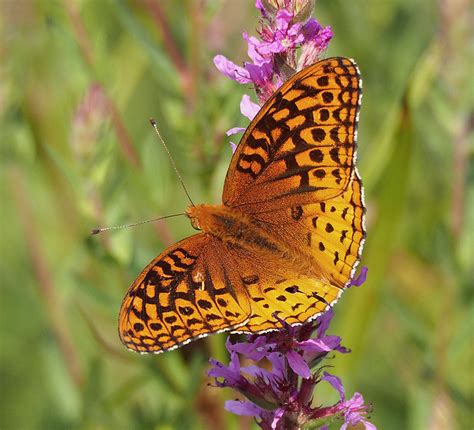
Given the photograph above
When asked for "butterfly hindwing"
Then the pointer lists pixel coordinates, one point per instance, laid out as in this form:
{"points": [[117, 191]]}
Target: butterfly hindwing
{"points": [[280, 290], [301, 145], [202, 286], [187, 292], [296, 299]]}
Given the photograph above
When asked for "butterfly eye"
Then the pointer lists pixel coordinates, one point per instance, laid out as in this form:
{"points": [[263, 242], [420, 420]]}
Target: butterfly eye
{"points": [[195, 224]]}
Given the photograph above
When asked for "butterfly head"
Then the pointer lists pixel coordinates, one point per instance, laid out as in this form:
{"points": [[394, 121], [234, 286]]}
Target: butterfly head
{"points": [[196, 214], [207, 218]]}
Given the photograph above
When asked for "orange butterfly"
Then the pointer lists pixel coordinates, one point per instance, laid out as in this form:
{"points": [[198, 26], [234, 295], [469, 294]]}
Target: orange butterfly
{"points": [[288, 236]]}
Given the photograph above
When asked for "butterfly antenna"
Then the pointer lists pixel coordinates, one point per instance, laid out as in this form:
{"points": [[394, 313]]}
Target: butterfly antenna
{"points": [[117, 227], [153, 123]]}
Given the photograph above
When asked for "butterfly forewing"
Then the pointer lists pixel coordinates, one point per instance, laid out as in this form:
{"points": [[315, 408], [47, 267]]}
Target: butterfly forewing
{"points": [[300, 147], [187, 292]]}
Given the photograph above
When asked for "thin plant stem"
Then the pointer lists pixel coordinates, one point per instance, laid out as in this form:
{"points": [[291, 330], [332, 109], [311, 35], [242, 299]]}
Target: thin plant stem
{"points": [[46, 284], [156, 11], [460, 164], [453, 36], [195, 46]]}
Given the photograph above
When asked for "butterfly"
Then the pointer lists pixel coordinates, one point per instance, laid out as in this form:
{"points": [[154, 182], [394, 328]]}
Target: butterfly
{"points": [[288, 236]]}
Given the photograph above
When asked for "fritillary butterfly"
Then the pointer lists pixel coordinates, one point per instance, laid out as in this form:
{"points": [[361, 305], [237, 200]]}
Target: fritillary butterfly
{"points": [[286, 240]]}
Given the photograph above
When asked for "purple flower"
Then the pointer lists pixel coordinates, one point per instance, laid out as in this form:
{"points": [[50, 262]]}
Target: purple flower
{"points": [[255, 349], [283, 30], [354, 409], [282, 37], [261, 386], [260, 7], [294, 343], [274, 395]]}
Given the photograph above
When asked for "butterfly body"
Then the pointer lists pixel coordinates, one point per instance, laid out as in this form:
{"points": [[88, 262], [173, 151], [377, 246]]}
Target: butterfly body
{"points": [[289, 235], [237, 229]]}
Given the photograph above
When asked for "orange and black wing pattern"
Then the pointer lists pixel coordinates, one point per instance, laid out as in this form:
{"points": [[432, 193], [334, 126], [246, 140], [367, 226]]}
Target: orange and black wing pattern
{"points": [[186, 293], [301, 146], [293, 176], [281, 290], [331, 233]]}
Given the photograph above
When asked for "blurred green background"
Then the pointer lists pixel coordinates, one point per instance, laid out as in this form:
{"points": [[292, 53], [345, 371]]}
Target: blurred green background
{"points": [[78, 82]]}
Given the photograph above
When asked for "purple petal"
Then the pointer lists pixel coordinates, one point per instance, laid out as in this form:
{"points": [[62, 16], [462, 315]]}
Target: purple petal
{"points": [[233, 147], [259, 74], [273, 377], [295, 33], [240, 347], [255, 350], [234, 130], [248, 108], [342, 349], [282, 37], [252, 370], [259, 6], [262, 54], [336, 383], [256, 371], [231, 70], [324, 320], [231, 373], [356, 401], [283, 19], [253, 50], [217, 370], [278, 364], [278, 414], [325, 344], [242, 408], [313, 47], [297, 363], [323, 38], [267, 49], [360, 279], [311, 29]]}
